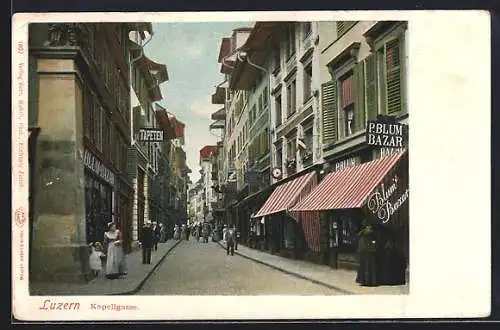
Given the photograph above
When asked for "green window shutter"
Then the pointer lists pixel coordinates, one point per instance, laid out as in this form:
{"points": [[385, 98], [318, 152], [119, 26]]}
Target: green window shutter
{"points": [[329, 110], [393, 76], [371, 87], [359, 76]]}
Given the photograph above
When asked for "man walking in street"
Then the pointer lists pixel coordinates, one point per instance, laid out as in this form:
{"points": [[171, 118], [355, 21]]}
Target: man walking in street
{"points": [[146, 242], [230, 237]]}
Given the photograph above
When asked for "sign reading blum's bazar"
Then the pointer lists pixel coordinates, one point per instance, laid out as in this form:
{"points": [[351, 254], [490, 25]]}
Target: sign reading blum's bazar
{"points": [[385, 201]]}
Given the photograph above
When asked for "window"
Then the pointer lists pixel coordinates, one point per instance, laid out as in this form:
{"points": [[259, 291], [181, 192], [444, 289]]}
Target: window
{"points": [[277, 59], [307, 29], [279, 156], [346, 113], [265, 97], [290, 41], [291, 98], [291, 149], [343, 26], [390, 70], [278, 110], [307, 82], [384, 73]]}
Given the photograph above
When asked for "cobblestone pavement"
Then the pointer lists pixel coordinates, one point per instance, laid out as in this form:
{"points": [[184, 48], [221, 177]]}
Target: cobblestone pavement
{"points": [[196, 268]]}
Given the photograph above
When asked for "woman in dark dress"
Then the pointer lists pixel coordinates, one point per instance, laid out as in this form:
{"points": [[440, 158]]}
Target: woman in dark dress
{"points": [[367, 249]]}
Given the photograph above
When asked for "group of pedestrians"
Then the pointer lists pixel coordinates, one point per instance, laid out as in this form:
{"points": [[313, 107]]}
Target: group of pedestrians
{"points": [[109, 255]]}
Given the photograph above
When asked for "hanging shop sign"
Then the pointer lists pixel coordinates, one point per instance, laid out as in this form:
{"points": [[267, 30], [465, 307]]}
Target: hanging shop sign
{"points": [[97, 167], [349, 162], [252, 177], [386, 132], [387, 198], [150, 135]]}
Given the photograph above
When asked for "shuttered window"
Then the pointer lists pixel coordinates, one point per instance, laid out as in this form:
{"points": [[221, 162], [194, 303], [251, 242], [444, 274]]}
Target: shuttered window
{"points": [[329, 110], [343, 26], [360, 118], [371, 94], [393, 76]]}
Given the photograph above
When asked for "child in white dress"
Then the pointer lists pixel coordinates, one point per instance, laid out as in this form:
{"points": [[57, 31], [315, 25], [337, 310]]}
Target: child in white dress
{"points": [[95, 258]]}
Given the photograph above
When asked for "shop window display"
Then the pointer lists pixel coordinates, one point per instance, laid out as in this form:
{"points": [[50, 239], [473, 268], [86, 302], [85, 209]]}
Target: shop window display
{"points": [[97, 208]]}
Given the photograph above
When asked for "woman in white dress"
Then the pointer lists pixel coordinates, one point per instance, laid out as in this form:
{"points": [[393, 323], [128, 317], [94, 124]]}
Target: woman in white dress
{"points": [[115, 261], [177, 232]]}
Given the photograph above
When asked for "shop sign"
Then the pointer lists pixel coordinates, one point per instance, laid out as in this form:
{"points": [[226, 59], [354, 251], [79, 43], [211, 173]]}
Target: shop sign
{"points": [[252, 177], [387, 199], [386, 132], [150, 135], [349, 162], [96, 166]]}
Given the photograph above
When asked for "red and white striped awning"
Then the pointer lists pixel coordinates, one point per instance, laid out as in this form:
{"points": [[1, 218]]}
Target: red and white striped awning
{"points": [[349, 188], [286, 195]]}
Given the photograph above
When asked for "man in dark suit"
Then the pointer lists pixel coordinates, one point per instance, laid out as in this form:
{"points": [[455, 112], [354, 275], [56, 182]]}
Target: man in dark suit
{"points": [[146, 242]]}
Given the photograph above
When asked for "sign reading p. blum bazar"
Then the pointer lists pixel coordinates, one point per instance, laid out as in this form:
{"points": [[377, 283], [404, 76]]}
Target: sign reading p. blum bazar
{"points": [[386, 132]]}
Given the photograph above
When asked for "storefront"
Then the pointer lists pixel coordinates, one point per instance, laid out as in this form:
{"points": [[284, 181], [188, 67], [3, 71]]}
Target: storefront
{"points": [[99, 186], [123, 211], [290, 235], [373, 193]]}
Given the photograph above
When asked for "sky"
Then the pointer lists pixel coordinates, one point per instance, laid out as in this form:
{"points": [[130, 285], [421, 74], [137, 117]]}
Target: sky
{"points": [[190, 51]]}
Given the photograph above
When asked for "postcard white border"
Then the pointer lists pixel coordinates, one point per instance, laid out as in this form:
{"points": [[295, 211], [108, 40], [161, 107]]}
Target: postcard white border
{"points": [[449, 102]]}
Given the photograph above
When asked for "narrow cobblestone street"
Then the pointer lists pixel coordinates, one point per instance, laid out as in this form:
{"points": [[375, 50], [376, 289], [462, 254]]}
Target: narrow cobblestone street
{"points": [[196, 268]]}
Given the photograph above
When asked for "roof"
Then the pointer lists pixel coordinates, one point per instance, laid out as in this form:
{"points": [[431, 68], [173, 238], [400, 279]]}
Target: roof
{"points": [[219, 97], [225, 49], [164, 121], [218, 124], [219, 114], [258, 45], [207, 151]]}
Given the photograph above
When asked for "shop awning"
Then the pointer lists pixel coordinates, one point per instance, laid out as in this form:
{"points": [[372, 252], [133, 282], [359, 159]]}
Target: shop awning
{"points": [[349, 188], [286, 195]]}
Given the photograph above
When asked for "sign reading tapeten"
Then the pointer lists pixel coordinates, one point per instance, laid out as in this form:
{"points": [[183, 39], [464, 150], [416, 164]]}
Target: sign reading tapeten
{"points": [[150, 135], [386, 132], [387, 199]]}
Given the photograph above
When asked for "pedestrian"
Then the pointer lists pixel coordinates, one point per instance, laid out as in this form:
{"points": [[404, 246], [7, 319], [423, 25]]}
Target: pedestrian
{"points": [[115, 258], [156, 235], [230, 237], [188, 232], [146, 242], [367, 249], [177, 233], [224, 230], [163, 237], [183, 232], [237, 239], [199, 232], [95, 258]]}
